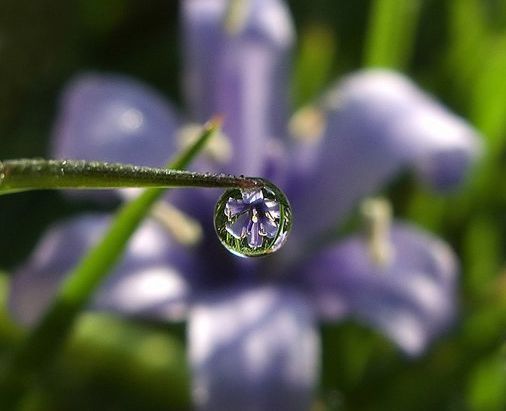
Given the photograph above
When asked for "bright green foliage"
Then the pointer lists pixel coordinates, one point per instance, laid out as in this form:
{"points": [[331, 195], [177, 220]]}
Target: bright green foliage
{"points": [[391, 31]]}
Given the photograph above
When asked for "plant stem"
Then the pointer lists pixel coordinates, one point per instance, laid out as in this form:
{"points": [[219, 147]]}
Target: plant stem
{"points": [[39, 174], [391, 33]]}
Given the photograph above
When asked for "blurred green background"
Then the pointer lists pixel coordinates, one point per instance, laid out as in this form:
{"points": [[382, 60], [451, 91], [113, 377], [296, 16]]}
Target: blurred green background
{"points": [[455, 49]]}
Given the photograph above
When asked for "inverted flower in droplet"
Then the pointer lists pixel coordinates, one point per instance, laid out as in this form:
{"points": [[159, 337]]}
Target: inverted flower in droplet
{"points": [[252, 323], [253, 222]]}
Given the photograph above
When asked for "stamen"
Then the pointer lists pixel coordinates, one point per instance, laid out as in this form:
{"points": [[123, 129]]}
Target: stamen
{"points": [[218, 149], [377, 215], [307, 125], [184, 229], [235, 15]]}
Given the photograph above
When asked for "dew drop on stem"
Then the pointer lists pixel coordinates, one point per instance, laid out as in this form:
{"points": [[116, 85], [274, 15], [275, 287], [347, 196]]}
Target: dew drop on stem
{"points": [[253, 222]]}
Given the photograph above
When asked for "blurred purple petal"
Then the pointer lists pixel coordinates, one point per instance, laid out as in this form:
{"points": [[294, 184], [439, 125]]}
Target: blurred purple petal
{"points": [[377, 123], [411, 300], [239, 72], [114, 118], [253, 349], [149, 281]]}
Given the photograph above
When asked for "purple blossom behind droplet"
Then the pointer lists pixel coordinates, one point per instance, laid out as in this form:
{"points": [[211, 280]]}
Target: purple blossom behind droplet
{"points": [[114, 118], [377, 124], [241, 73]]}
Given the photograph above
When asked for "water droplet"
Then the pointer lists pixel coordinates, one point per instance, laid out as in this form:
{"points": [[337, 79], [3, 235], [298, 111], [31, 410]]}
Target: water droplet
{"points": [[254, 222]]}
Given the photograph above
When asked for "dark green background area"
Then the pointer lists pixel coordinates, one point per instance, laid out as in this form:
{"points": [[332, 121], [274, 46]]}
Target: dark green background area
{"points": [[43, 45], [455, 49]]}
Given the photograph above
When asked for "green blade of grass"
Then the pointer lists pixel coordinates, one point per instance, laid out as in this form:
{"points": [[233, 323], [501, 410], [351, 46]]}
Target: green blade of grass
{"points": [[488, 109], [315, 58], [391, 32]]}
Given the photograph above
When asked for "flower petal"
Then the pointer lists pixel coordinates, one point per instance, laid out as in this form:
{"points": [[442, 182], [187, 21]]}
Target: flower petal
{"points": [[149, 281], [235, 207], [254, 239], [239, 227], [114, 118], [237, 67], [268, 227], [377, 123], [253, 349], [411, 300]]}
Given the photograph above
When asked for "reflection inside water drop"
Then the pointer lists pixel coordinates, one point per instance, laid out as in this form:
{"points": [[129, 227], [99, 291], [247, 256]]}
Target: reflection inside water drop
{"points": [[253, 222]]}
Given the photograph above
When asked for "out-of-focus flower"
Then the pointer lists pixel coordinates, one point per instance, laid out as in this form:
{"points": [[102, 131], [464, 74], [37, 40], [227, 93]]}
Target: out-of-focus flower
{"points": [[252, 333]]}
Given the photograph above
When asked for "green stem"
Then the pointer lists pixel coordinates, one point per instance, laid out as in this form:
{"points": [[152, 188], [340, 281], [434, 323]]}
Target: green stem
{"points": [[391, 33], [38, 174], [46, 339]]}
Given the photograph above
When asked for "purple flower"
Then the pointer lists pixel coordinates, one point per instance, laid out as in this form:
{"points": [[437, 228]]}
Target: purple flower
{"points": [[252, 333], [254, 222], [253, 217]]}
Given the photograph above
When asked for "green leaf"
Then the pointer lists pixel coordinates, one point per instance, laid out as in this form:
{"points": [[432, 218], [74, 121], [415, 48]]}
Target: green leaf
{"points": [[488, 110], [314, 62], [482, 253], [9, 332], [391, 31], [487, 385], [467, 28], [113, 363]]}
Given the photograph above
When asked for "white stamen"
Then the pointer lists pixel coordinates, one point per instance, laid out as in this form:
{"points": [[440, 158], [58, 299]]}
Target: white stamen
{"points": [[218, 149], [377, 214], [307, 125], [235, 15], [254, 217], [184, 229]]}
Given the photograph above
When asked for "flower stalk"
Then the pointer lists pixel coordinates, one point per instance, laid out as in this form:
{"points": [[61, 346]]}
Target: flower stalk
{"points": [[39, 174]]}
